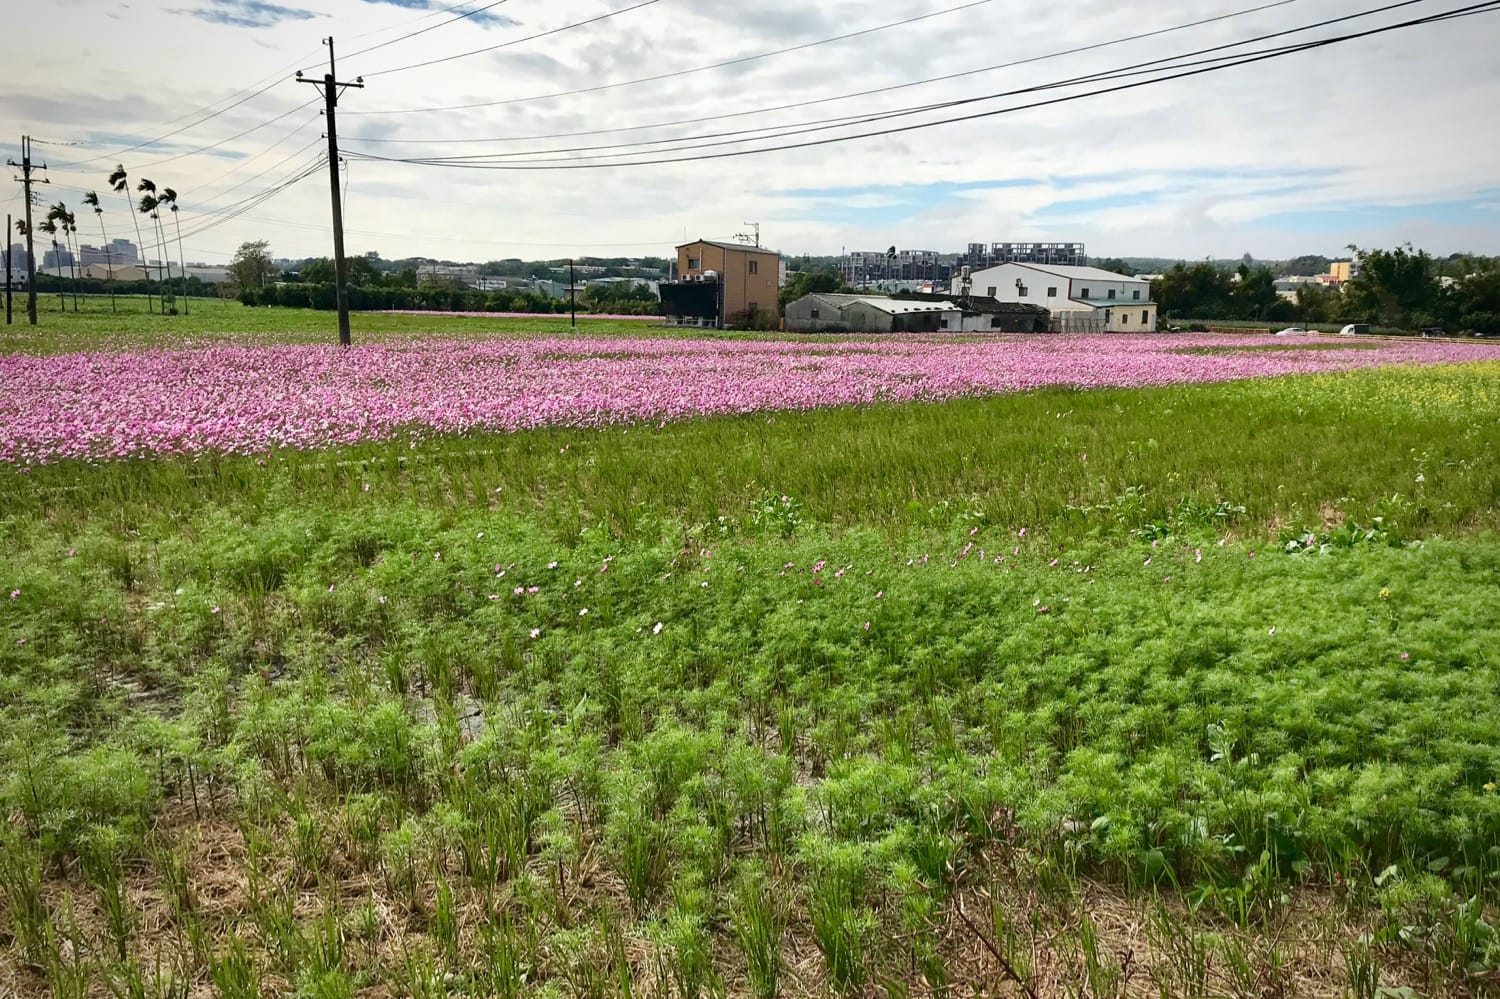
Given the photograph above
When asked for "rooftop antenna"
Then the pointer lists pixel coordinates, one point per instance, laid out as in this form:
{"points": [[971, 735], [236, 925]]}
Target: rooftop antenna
{"points": [[747, 238]]}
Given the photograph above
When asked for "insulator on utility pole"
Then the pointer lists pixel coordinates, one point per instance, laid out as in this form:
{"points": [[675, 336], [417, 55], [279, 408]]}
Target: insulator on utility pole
{"points": [[331, 89], [26, 180]]}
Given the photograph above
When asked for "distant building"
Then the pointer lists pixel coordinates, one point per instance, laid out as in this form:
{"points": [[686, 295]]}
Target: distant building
{"points": [[990, 315], [1080, 299], [458, 275], [1342, 271], [118, 251], [865, 269], [721, 284], [980, 255], [57, 258], [836, 313], [128, 272]]}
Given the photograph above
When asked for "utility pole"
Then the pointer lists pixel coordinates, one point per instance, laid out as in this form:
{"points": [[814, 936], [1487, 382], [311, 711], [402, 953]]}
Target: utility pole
{"points": [[573, 294], [26, 182], [7, 269], [332, 89]]}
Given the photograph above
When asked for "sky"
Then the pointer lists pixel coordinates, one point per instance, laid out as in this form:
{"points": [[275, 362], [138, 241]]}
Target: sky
{"points": [[1374, 142]]}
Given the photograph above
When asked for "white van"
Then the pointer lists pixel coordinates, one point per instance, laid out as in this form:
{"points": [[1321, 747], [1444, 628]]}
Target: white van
{"points": [[1355, 329]]}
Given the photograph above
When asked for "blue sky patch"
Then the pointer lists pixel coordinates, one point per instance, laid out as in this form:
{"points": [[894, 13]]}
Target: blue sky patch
{"points": [[248, 13]]}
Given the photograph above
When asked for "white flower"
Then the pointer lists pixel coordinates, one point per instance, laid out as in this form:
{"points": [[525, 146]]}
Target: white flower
{"points": [[657, 629]]}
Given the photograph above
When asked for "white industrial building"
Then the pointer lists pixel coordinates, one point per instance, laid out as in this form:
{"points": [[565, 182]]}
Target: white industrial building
{"points": [[1081, 299]]}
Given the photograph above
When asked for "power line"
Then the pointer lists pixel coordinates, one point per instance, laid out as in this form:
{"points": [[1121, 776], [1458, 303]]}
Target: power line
{"points": [[819, 100], [518, 41], [696, 69], [1242, 60], [780, 131], [414, 34], [223, 142]]}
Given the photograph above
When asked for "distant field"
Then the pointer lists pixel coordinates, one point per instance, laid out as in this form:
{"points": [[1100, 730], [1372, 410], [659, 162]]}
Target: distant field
{"points": [[218, 320], [937, 677]]}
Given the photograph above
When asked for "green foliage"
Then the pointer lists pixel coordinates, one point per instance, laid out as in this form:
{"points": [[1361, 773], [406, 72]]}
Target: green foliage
{"points": [[815, 701]]}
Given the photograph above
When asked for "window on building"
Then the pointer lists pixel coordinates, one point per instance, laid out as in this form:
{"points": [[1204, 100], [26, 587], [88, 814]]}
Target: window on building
{"points": [[1145, 317], [694, 263], [1023, 290], [755, 267], [1083, 293], [942, 324], [991, 292], [815, 313], [1051, 292], [1136, 294], [1124, 319], [1111, 293]]}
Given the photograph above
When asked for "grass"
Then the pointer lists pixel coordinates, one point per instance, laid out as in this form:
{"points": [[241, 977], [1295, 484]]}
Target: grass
{"points": [[1173, 692], [95, 326]]}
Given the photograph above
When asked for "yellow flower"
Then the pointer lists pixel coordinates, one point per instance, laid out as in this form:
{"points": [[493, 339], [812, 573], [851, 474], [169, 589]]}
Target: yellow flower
{"points": [[1490, 787], [1385, 593]]}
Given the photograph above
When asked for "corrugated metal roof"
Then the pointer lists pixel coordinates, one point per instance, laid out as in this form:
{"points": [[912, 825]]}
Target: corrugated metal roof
{"points": [[1070, 272], [725, 245]]}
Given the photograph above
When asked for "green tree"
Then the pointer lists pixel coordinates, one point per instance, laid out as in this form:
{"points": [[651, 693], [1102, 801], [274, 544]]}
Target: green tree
{"points": [[1116, 265], [1202, 291], [813, 282], [1255, 293], [251, 266], [1310, 265], [1477, 296], [1395, 288]]}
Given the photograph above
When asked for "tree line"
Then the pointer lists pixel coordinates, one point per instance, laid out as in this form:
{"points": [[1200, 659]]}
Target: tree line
{"points": [[257, 281], [1402, 288]]}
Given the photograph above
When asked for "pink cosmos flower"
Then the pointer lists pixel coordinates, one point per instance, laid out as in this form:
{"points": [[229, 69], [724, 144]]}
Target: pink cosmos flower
{"points": [[867, 625], [14, 594], [214, 611], [535, 632], [520, 590], [1406, 655]]}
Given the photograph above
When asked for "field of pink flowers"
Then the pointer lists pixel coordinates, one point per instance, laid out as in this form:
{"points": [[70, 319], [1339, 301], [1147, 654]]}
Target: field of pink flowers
{"points": [[248, 399]]}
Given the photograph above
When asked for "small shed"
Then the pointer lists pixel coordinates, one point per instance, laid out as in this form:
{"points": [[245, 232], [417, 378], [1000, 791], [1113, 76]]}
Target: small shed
{"points": [[838, 313], [990, 315]]}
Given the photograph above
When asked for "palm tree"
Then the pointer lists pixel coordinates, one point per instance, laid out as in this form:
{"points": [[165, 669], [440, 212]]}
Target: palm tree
{"points": [[148, 195], [92, 200], [49, 226], [68, 223], [121, 184], [169, 198]]}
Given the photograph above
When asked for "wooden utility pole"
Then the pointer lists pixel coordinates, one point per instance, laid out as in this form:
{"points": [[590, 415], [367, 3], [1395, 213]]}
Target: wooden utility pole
{"points": [[573, 294], [7, 270], [26, 181], [332, 89]]}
